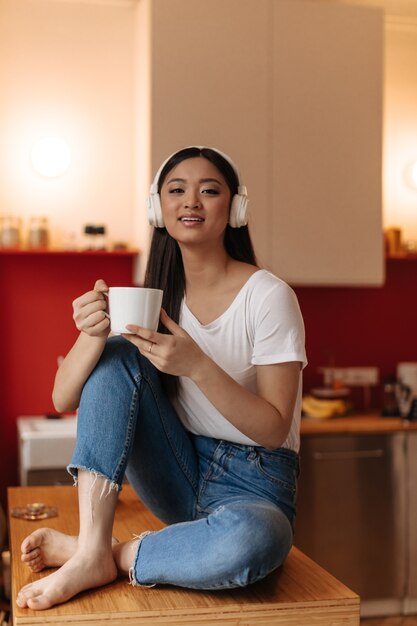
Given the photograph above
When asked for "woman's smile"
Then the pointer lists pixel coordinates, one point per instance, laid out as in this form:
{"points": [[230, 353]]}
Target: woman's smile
{"points": [[191, 220]]}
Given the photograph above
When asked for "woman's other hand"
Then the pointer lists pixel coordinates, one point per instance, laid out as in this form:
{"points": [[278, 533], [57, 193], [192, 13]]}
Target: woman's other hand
{"points": [[175, 354], [90, 311]]}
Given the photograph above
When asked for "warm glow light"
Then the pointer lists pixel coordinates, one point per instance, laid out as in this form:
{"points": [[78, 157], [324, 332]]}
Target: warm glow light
{"points": [[51, 156], [410, 174], [414, 174]]}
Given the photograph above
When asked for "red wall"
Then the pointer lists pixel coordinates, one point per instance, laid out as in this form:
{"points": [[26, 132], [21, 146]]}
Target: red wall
{"points": [[356, 326], [362, 326], [37, 290]]}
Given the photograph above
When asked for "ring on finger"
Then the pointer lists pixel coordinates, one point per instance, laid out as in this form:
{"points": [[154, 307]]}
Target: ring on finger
{"points": [[150, 347]]}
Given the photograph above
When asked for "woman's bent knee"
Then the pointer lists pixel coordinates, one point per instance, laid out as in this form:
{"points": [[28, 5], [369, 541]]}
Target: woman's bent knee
{"points": [[119, 358], [117, 348], [262, 538], [267, 547]]}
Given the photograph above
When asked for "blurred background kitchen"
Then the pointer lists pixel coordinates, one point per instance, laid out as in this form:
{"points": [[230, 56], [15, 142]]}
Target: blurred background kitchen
{"points": [[316, 100]]}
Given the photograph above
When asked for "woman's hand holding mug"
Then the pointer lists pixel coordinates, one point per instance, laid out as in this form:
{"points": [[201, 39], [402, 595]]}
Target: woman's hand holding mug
{"points": [[90, 310]]}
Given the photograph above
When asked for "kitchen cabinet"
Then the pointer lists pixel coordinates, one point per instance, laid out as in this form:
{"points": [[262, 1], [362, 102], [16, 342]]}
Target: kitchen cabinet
{"points": [[357, 509], [275, 83], [327, 144], [410, 601]]}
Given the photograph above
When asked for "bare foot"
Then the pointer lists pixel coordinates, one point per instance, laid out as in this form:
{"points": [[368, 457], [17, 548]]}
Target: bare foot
{"points": [[46, 547], [82, 571]]}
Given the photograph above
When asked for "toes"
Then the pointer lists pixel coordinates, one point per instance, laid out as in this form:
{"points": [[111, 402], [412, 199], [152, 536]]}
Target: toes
{"points": [[25, 594], [30, 556], [32, 541], [21, 601], [39, 603], [33, 599], [37, 565], [26, 545], [34, 560]]}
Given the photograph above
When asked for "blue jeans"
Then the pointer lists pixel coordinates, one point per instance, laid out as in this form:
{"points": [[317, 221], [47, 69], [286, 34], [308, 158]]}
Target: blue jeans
{"points": [[229, 508]]}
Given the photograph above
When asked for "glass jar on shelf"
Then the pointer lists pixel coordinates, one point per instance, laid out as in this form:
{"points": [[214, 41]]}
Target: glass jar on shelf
{"points": [[38, 233], [10, 231]]}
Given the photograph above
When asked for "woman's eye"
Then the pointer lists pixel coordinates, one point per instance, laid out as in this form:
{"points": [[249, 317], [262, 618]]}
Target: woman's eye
{"points": [[211, 192], [176, 190]]}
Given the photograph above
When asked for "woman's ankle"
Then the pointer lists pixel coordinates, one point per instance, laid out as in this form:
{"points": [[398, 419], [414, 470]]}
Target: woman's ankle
{"points": [[124, 554]]}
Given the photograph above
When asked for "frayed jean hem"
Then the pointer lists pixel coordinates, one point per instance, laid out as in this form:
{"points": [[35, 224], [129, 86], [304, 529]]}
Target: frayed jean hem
{"points": [[132, 578], [111, 484]]}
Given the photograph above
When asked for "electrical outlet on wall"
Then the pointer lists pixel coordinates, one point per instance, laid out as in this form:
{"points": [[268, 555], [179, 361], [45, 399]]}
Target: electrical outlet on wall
{"points": [[351, 376]]}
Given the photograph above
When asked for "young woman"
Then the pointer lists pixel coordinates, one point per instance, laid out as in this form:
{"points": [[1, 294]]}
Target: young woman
{"points": [[203, 415]]}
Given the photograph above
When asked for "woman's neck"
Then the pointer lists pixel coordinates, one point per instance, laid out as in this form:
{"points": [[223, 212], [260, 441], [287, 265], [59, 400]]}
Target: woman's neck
{"points": [[203, 267], [212, 282]]}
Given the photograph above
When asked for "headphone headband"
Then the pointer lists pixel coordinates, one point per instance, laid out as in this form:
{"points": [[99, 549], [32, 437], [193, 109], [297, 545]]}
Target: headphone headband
{"points": [[239, 203], [154, 186]]}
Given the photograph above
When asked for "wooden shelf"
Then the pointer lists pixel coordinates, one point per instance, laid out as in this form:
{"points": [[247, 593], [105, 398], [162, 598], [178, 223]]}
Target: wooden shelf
{"points": [[402, 256], [61, 252]]}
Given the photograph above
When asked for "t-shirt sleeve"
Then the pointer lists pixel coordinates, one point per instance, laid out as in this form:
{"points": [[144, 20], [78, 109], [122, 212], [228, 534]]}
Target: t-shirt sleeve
{"points": [[279, 335]]}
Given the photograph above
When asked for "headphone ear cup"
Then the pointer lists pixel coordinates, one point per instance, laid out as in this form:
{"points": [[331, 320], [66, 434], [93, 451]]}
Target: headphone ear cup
{"points": [[153, 204], [238, 211]]}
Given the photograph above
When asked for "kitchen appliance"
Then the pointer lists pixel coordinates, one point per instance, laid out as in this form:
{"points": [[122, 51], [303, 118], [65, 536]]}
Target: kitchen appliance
{"points": [[407, 389], [410, 600], [45, 449], [38, 235], [352, 516]]}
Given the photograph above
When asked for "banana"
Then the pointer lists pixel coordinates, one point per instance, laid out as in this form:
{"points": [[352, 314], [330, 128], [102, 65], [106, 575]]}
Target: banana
{"points": [[335, 404], [314, 411], [322, 408]]}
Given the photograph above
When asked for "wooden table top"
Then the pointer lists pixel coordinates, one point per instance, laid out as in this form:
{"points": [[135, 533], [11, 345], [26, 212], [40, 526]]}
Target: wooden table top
{"points": [[300, 593]]}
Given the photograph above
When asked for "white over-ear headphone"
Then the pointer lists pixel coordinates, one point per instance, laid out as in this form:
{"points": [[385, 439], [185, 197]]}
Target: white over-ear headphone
{"points": [[238, 207]]}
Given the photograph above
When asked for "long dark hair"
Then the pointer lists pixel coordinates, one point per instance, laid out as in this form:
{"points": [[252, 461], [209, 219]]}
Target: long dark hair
{"points": [[165, 269]]}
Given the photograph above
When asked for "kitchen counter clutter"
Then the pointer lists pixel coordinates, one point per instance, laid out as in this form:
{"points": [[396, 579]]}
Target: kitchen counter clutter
{"points": [[365, 424]]}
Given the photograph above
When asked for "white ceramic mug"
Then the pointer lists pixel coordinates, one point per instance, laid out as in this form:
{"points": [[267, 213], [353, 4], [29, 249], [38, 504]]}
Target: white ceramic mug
{"points": [[134, 305]]}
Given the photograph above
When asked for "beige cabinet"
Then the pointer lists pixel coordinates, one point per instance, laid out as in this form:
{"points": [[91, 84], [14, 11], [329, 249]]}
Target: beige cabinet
{"points": [[293, 91]]}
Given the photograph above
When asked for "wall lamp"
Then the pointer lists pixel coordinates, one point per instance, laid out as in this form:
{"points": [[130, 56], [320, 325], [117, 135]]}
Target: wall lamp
{"points": [[411, 175], [51, 156]]}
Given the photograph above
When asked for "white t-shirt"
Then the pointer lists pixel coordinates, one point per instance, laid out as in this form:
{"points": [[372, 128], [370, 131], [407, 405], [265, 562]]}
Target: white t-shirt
{"points": [[263, 325]]}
